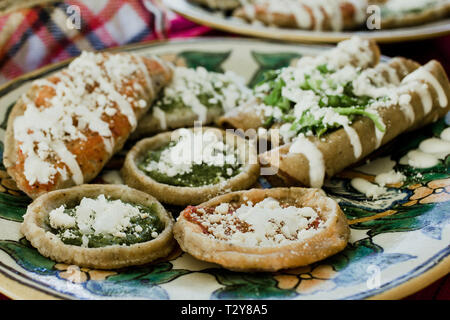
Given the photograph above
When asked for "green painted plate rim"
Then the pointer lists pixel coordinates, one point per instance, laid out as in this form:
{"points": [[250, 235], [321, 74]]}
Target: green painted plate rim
{"points": [[16, 288]]}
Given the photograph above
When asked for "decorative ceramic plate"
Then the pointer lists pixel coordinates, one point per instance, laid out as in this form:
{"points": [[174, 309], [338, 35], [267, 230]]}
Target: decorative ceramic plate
{"points": [[209, 18], [399, 243]]}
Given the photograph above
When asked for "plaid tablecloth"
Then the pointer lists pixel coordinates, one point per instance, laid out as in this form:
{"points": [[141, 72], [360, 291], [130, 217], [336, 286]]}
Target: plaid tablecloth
{"points": [[33, 37]]}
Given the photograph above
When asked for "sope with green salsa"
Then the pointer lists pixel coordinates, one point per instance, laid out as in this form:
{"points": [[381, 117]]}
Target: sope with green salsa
{"points": [[193, 160], [102, 222]]}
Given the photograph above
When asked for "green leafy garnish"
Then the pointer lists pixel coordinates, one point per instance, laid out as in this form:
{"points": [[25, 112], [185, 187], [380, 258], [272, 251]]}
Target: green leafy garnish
{"points": [[357, 111], [323, 69], [345, 103], [273, 98], [308, 122]]}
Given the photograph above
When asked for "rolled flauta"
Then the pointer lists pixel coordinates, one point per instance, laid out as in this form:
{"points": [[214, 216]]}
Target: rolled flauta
{"points": [[67, 126], [245, 117], [424, 97], [355, 52], [328, 15], [193, 95]]}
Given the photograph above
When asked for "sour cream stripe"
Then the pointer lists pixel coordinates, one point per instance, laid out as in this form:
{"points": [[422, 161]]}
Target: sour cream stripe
{"points": [[304, 146], [354, 140], [428, 77], [69, 160]]}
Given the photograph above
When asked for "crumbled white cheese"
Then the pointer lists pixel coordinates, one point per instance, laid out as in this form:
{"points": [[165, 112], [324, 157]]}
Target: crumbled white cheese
{"points": [[222, 208], [266, 223], [346, 61], [225, 89], [90, 88], [59, 219], [97, 216], [194, 147]]}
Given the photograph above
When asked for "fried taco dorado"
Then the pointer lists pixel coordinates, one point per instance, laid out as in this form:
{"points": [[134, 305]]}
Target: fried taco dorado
{"points": [[68, 125], [332, 110]]}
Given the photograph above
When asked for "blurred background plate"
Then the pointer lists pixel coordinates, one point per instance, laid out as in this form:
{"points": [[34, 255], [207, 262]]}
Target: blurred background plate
{"points": [[215, 20]]}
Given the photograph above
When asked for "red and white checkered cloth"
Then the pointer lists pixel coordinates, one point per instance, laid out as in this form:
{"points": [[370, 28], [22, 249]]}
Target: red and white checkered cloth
{"points": [[33, 37]]}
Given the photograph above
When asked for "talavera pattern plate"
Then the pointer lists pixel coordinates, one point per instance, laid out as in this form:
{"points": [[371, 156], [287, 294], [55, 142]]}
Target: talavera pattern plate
{"points": [[215, 19], [399, 243]]}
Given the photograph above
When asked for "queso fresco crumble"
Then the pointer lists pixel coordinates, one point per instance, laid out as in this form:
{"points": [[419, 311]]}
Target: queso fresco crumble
{"points": [[266, 223], [193, 159], [101, 222]]}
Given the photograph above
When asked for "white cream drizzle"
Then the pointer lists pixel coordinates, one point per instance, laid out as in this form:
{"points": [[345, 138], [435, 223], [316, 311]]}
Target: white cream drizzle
{"points": [[371, 190], [69, 160], [425, 97], [430, 151], [303, 145], [404, 102], [161, 116], [425, 75], [148, 79], [354, 140], [309, 14], [302, 17], [383, 169], [42, 132]]}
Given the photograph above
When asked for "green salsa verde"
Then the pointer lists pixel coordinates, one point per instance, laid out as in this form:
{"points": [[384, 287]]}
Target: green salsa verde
{"points": [[171, 104], [199, 175], [212, 90], [141, 228]]}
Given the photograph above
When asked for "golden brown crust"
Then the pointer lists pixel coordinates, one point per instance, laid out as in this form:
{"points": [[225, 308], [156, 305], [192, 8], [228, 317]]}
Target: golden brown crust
{"points": [[242, 118], [326, 242], [135, 178], [36, 229], [90, 165]]}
